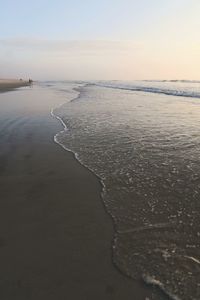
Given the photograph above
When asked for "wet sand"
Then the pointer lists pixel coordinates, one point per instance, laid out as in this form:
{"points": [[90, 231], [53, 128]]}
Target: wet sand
{"points": [[9, 84], [55, 236]]}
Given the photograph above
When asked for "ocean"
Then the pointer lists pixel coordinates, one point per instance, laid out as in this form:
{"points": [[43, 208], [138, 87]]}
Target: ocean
{"points": [[142, 140]]}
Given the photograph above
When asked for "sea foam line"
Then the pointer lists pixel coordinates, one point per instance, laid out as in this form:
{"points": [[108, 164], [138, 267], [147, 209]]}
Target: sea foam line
{"points": [[154, 90], [103, 189], [153, 281], [65, 129], [193, 259]]}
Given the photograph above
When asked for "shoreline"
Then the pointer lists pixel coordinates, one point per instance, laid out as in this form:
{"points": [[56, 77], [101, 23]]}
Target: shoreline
{"points": [[10, 84], [55, 236], [160, 292]]}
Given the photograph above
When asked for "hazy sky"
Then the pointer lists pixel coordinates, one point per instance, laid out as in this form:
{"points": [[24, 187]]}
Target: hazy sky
{"points": [[104, 39]]}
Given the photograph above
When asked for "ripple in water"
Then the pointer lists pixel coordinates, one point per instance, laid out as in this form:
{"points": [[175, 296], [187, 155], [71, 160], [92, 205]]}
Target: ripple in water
{"points": [[145, 148]]}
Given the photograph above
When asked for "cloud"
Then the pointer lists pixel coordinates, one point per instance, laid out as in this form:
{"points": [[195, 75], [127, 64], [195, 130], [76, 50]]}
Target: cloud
{"points": [[67, 46], [66, 58], [97, 59]]}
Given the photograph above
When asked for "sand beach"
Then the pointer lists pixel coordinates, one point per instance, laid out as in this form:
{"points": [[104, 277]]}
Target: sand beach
{"points": [[7, 84], [55, 235]]}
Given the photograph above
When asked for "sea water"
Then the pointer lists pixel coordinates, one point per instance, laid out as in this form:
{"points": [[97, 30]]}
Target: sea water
{"points": [[142, 139]]}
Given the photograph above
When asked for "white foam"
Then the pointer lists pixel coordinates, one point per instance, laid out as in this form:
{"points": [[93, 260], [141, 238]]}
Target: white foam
{"points": [[62, 122], [193, 259], [103, 191], [187, 89], [153, 281]]}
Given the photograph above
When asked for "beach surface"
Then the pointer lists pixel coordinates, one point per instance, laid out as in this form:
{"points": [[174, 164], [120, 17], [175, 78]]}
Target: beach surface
{"points": [[55, 236], [8, 84]]}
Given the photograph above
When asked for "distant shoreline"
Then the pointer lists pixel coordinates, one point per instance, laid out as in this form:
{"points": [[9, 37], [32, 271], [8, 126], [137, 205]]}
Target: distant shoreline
{"points": [[9, 84]]}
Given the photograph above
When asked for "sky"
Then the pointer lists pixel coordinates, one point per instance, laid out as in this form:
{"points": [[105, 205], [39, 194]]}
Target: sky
{"points": [[104, 39]]}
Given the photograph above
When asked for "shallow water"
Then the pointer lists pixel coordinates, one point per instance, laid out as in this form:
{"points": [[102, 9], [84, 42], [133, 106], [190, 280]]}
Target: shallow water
{"points": [[145, 148]]}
